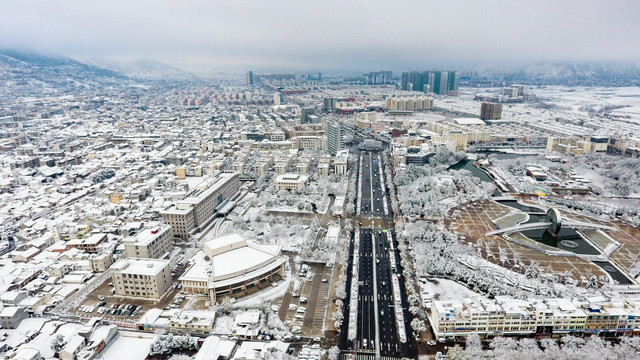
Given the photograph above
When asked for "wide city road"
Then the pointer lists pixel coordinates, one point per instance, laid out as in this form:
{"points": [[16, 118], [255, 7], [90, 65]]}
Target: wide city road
{"points": [[377, 326]]}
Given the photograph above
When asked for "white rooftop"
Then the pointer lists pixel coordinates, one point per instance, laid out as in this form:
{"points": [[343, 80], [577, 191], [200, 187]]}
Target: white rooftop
{"points": [[291, 178], [229, 257], [146, 236], [149, 267], [469, 121], [212, 246]]}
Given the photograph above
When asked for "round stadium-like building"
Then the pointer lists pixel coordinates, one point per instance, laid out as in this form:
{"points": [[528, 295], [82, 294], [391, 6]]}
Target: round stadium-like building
{"points": [[231, 266]]}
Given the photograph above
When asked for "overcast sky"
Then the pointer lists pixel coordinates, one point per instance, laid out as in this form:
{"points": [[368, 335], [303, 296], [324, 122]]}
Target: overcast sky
{"points": [[326, 35]]}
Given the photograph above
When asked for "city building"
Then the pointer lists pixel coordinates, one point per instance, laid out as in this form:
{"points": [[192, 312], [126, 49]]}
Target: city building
{"points": [[290, 182], [150, 243], [250, 79], [334, 137], [277, 99], [309, 142], [147, 278], [410, 104], [340, 162], [438, 82], [550, 317], [306, 113], [368, 120], [198, 207], [453, 81], [231, 266], [578, 145], [329, 104], [441, 82], [490, 111]]}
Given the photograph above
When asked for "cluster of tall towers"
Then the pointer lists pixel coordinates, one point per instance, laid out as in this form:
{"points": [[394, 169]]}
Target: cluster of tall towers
{"points": [[438, 82]]}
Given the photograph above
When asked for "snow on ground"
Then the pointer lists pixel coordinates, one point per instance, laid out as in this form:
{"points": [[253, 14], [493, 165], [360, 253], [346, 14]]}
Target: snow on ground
{"points": [[266, 295], [288, 210], [127, 348], [296, 285], [223, 325], [445, 289]]}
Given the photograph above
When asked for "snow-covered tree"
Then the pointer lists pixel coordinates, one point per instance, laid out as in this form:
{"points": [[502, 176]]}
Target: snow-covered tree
{"points": [[370, 145], [333, 353], [162, 345], [418, 325], [58, 343]]}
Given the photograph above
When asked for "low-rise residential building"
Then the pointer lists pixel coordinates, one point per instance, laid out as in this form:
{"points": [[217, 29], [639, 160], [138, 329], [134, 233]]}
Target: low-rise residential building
{"points": [[12, 298], [89, 244], [101, 262], [11, 316], [178, 321]]}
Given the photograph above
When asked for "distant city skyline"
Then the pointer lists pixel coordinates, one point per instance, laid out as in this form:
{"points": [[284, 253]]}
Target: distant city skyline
{"points": [[328, 35]]}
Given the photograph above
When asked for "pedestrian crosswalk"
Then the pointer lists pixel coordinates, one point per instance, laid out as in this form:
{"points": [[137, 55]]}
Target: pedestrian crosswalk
{"points": [[364, 356]]}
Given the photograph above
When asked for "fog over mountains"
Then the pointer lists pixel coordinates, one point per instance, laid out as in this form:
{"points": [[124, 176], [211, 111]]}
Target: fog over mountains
{"points": [[25, 72]]}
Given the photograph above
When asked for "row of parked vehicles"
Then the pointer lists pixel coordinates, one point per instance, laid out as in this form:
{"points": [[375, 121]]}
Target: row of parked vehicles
{"points": [[125, 310], [312, 352], [114, 309]]}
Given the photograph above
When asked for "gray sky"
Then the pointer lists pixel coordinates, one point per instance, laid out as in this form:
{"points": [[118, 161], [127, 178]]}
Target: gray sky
{"points": [[326, 35]]}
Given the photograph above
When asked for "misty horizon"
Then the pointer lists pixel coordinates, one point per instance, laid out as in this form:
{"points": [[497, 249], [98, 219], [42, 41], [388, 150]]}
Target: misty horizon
{"points": [[326, 36]]}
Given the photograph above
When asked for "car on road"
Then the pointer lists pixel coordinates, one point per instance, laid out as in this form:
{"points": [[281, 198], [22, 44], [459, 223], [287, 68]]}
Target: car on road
{"points": [[300, 316], [364, 343], [293, 306], [303, 300], [431, 342], [275, 308], [100, 297], [325, 280]]}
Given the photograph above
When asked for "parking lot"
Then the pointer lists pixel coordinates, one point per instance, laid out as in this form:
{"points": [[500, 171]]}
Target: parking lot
{"points": [[312, 296], [103, 293]]}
